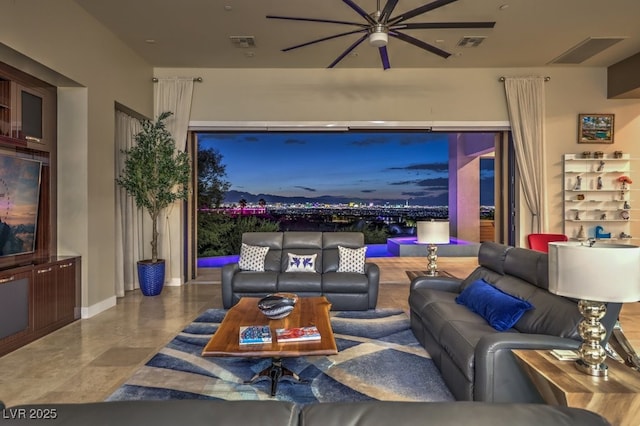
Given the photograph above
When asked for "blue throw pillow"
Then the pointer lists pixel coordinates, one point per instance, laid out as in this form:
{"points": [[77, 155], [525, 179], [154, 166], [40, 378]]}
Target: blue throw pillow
{"points": [[500, 309]]}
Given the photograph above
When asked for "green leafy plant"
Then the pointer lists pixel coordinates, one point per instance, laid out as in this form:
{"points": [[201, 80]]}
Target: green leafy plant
{"points": [[156, 173], [221, 235]]}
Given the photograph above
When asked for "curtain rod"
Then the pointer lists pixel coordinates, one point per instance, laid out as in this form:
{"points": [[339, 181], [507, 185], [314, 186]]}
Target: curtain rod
{"points": [[197, 79], [547, 78]]}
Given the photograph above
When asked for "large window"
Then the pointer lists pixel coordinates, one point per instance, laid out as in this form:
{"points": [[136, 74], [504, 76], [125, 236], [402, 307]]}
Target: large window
{"points": [[379, 182], [381, 168]]}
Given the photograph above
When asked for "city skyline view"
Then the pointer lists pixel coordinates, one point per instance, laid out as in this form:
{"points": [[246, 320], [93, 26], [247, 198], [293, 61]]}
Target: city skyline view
{"points": [[376, 168]]}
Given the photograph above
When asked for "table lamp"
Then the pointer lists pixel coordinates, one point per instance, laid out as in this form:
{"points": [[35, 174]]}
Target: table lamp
{"points": [[433, 232], [594, 273]]}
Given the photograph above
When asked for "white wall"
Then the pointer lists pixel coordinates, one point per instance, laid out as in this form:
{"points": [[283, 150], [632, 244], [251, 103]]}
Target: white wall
{"points": [[63, 40]]}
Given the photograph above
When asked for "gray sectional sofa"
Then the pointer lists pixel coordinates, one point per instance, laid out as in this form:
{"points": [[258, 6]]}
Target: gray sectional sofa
{"points": [[345, 290], [474, 358], [276, 413]]}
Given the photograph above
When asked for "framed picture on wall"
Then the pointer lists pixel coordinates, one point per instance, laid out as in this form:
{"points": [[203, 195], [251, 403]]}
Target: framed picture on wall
{"points": [[595, 128]]}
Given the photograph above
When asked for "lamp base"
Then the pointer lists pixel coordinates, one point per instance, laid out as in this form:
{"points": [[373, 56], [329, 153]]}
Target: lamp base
{"points": [[598, 370], [592, 354], [432, 256]]}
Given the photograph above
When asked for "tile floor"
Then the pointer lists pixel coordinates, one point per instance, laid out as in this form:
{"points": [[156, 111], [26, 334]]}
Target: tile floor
{"points": [[88, 359]]}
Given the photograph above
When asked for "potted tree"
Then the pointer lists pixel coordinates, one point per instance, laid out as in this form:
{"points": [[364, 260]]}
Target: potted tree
{"points": [[155, 174]]}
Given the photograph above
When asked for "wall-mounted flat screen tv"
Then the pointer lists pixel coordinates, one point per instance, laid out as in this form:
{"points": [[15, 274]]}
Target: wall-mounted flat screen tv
{"points": [[19, 197]]}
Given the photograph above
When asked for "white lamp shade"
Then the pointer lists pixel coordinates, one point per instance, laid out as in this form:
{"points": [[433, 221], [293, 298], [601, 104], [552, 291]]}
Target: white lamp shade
{"points": [[433, 232], [602, 273]]}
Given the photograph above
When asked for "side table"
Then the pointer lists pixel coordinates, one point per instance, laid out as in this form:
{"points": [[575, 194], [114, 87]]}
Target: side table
{"points": [[616, 397], [415, 274]]}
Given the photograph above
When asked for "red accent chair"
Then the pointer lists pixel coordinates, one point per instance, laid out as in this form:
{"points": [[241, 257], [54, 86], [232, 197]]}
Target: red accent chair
{"points": [[540, 242]]}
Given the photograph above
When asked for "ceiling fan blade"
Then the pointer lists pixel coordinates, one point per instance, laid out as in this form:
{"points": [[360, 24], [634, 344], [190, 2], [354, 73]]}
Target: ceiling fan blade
{"points": [[360, 11], [419, 43], [384, 57], [330, 21], [388, 10], [419, 10], [349, 49], [443, 25], [324, 39]]}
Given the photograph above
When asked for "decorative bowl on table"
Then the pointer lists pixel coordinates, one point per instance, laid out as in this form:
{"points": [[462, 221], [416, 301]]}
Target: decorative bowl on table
{"points": [[277, 305]]}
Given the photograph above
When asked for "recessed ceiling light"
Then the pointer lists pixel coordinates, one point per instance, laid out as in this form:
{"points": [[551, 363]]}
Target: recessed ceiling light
{"points": [[228, 8], [150, 41]]}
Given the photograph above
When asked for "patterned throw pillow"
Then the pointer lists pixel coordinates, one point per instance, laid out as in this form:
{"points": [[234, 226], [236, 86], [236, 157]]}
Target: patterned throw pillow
{"points": [[351, 260], [301, 263], [252, 257]]}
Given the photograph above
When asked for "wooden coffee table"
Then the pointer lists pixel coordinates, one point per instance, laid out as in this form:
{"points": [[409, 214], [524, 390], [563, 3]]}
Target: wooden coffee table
{"points": [[308, 311]]}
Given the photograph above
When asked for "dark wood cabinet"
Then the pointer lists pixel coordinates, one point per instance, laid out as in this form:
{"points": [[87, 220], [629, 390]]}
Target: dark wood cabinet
{"points": [[37, 300], [44, 296], [15, 307], [27, 110], [5, 107], [66, 281], [39, 290]]}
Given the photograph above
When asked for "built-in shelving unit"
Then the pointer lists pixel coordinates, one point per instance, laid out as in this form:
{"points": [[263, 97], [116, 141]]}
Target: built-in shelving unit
{"points": [[39, 290], [597, 200], [5, 107]]}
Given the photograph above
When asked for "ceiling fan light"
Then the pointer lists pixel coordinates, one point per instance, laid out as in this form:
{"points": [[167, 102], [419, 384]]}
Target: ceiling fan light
{"points": [[378, 39]]}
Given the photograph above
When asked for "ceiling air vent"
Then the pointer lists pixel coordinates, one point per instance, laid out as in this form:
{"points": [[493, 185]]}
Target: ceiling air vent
{"points": [[471, 41], [586, 49], [243, 41]]}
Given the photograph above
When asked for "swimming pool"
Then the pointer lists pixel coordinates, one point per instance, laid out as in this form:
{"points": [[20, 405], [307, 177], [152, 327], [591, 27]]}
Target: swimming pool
{"points": [[401, 246], [373, 250]]}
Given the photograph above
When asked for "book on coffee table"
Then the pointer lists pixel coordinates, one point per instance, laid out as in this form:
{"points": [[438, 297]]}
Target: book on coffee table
{"points": [[297, 334], [255, 334]]}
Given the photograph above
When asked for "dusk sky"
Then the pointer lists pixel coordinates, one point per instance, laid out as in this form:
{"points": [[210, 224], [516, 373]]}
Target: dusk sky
{"points": [[351, 165]]}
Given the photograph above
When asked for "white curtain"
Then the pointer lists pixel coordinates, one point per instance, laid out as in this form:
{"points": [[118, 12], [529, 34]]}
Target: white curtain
{"points": [[174, 94], [525, 102], [130, 220]]}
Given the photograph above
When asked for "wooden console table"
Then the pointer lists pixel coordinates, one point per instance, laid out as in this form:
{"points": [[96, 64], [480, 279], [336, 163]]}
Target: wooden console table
{"points": [[616, 397]]}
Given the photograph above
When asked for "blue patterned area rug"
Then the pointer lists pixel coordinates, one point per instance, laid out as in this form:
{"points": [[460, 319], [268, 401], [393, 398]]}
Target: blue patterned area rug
{"points": [[379, 359]]}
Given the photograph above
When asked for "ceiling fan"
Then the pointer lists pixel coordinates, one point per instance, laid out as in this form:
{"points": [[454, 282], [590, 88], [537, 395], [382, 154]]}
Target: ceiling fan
{"points": [[380, 25]]}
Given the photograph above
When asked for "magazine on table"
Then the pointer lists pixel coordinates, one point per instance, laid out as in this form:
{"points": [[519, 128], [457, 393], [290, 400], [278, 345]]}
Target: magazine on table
{"points": [[255, 334], [297, 334]]}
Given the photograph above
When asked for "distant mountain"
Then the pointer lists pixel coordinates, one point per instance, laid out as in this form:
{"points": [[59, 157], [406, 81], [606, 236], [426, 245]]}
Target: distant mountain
{"points": [[235, 196]]}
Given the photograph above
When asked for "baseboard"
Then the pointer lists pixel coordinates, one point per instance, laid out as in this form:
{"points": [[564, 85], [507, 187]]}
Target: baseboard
{"points": [[97, 308], [174, 282]]}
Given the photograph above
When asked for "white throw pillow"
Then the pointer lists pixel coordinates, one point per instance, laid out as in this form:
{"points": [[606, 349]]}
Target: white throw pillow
{"points": [[352, 260], [252, 257], [301, 263]]}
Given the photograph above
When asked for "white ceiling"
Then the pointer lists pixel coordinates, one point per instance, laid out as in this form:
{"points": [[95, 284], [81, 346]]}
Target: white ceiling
{"points": [[528, 33]]}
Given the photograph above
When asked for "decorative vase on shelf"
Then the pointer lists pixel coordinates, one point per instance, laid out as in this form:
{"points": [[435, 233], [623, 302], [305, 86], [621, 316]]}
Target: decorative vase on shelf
{"points": [[581, 234]]}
